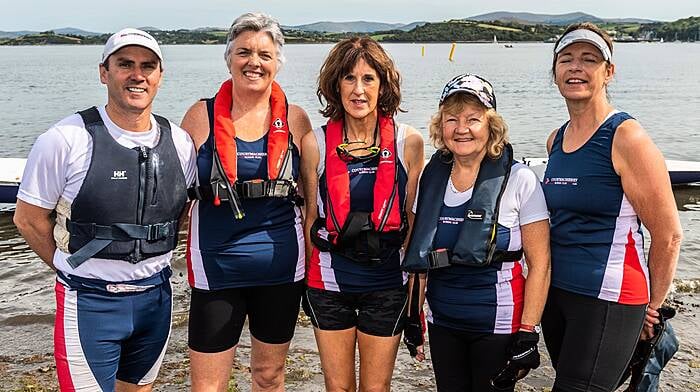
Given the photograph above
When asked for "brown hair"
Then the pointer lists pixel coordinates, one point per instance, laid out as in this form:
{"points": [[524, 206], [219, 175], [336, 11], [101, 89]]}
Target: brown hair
{"points": [[340, 62], [454, 104], [586, 26]]}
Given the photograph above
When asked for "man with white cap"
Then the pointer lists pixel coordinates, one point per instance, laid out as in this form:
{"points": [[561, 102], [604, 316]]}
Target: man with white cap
{"points": [[116, 178]]}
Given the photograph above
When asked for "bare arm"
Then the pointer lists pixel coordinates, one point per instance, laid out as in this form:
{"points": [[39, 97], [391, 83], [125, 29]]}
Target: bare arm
{"points": [[309, 164], [535, 237], [36, 226], [550, 140], [647, 186], [196, 123], [414, 156], [299, 125]]}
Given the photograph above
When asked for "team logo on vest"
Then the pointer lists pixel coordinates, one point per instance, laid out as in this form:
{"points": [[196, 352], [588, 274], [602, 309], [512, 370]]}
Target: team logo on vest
{"points": [[119, 175], [385, 154], [475, 214], [278, 124]]}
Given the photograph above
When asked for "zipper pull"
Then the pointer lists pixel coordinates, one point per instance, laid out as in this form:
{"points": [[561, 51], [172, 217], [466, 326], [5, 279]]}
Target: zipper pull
{"points": [[217, 200], [143, 153]]}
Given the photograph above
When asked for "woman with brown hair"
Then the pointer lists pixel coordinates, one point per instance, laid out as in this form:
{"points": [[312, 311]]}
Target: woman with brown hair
{"points": [[360, 171], [604, 179]]}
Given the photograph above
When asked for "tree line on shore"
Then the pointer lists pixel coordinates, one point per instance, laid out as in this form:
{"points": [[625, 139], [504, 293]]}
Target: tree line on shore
{"points": [[458, 30]]}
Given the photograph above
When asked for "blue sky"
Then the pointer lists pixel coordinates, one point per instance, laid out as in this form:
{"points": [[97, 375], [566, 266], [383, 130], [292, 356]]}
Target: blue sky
{"points": [[110, 16]]}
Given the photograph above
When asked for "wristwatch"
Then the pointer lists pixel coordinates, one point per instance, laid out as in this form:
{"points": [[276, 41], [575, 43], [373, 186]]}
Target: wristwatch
{"points": [[531, 328]]}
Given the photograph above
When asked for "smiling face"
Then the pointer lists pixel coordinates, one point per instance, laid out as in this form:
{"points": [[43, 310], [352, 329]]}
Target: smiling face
{"points": [[466, 133], [253, 61], [359, 90], [132, 75], [581, 73]]}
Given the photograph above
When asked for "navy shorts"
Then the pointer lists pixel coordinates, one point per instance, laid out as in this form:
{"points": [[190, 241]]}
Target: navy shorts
{"points": [[376, 313], [108, 331], [217, 316]]}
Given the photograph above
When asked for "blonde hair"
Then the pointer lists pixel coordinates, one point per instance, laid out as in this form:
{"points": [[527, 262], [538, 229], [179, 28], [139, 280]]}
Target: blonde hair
{"points": [[455, 104]]}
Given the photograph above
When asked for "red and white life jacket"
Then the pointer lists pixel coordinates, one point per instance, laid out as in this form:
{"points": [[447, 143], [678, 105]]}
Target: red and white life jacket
{"points": [[224, 176]]}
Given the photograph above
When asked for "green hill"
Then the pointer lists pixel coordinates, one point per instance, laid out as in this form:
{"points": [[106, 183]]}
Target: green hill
{"points": [[458, 30], [687, 29], [472, 31]]}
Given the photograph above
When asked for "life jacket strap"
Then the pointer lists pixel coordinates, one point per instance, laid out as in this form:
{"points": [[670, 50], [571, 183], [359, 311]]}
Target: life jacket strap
{"points": [[441, 258], [358, 241], [253, 189], [103, 235]]}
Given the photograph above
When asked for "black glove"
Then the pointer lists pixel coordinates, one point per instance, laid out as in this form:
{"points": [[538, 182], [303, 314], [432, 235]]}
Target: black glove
{"points": [[522, 353], [522, 356], [414, 333]]}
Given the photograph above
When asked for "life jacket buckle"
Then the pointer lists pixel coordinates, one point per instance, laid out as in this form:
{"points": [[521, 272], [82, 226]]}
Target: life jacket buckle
{"points": [[439, 258], [252, 189], [158, 231]]}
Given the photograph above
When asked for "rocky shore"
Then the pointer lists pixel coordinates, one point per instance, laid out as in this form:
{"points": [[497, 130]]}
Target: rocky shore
{"points": [[26, 359]]}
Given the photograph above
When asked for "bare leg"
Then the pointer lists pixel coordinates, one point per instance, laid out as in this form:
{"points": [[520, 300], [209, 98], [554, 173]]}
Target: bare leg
{"points": [[337, 351], [377, 359], [267, 365], [122, 386], [210, 372]]}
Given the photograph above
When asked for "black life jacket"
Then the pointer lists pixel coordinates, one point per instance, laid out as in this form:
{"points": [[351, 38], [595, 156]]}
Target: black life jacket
{"points": [[364, 237], [224, 184], [130, 202], [476, 244]]}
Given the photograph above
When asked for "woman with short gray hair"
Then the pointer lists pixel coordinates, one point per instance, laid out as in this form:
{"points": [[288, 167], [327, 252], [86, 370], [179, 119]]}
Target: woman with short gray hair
{"points": [[245, 251]]}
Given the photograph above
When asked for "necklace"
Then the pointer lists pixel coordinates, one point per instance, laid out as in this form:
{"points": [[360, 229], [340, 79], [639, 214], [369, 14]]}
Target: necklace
{"points": [[347, 141], [453, 188]]}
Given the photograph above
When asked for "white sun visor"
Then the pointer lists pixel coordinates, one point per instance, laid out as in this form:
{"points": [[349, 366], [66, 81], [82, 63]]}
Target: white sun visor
{"points": [[584, 35]]}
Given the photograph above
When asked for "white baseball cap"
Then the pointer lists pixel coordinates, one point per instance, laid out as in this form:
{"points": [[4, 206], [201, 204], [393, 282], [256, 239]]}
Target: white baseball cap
{"points": [[130, 36]]}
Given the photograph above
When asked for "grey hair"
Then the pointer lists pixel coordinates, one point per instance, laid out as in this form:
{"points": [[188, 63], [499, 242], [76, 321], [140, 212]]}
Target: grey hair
{"points": [[255, 21]]}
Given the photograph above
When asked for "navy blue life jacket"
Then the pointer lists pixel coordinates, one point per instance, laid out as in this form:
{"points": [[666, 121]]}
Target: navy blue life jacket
{"points": [[130, 202], [476, 245]]}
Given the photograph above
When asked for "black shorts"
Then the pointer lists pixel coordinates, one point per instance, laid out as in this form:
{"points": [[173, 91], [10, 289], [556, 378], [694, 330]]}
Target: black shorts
{"points": [[217, 317], [376, 313]]}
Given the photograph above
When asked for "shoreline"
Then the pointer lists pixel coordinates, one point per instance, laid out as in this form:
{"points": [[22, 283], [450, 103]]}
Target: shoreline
{"points": [[27, 364], [500, 43]]}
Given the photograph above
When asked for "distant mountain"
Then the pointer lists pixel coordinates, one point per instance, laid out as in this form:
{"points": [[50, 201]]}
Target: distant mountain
{"points": [[549, 19], [210, 29], [149, 28], [412, 26], [62, 31], [353, 27], [74, 31], [15, 34]]}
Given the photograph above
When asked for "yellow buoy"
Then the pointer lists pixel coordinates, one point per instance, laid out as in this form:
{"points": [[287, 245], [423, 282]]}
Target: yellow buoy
{"points": [[422, 51], [452, 51]]}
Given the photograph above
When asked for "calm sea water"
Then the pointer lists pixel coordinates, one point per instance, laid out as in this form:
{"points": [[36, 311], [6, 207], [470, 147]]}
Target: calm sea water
{"points": [[659, 84]]}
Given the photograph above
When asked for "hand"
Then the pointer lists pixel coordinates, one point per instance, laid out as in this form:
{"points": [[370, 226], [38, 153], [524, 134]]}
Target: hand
{"points": [[414, 336], [650, 320], [522, 352]]}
